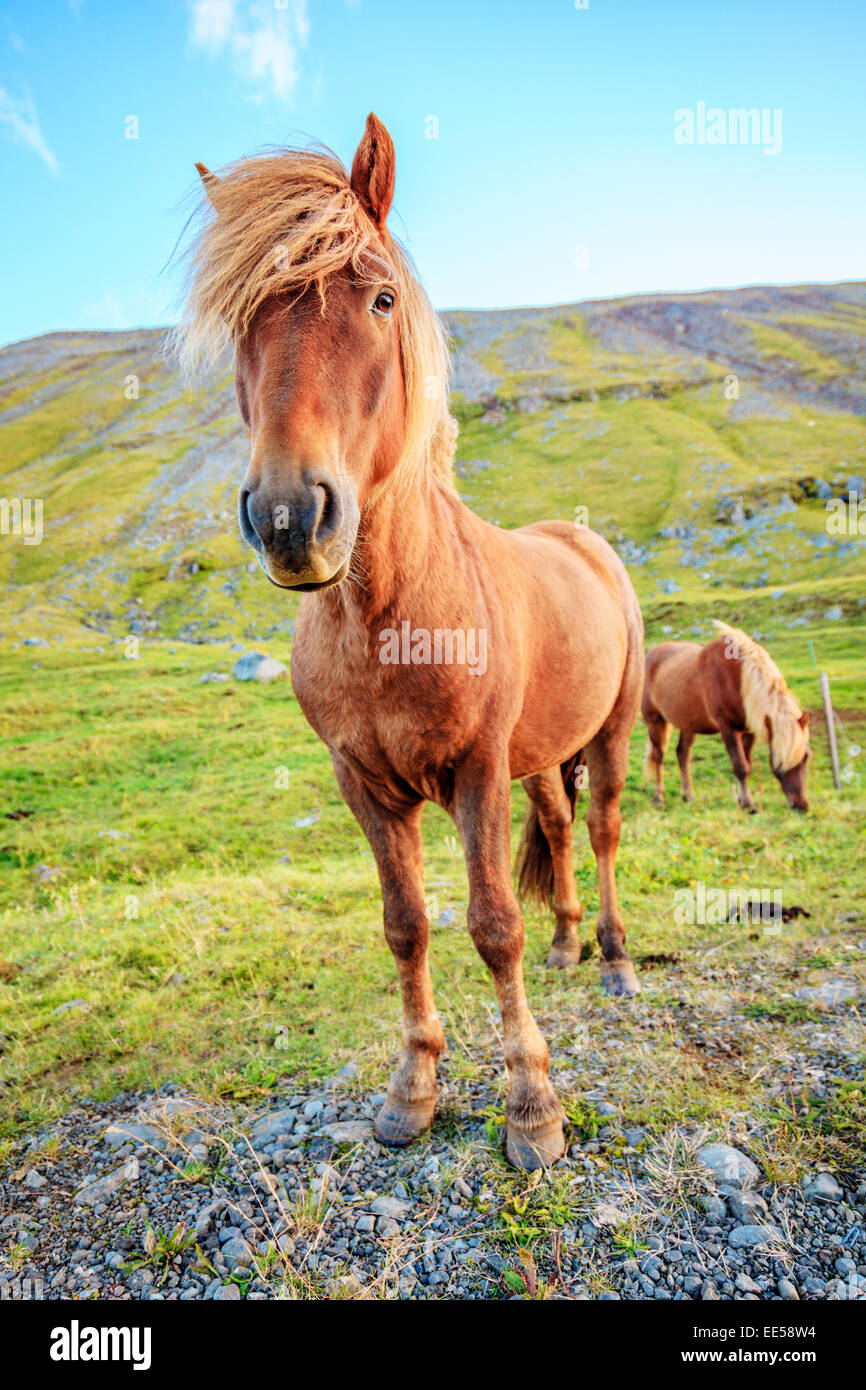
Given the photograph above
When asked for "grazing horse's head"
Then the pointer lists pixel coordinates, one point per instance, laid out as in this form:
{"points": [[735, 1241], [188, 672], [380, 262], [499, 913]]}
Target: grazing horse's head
{"points": [[788, 765], [340, 362]]}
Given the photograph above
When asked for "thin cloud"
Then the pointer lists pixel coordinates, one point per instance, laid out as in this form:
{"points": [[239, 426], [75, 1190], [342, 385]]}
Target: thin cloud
{"points": [[18, 116], [262, 39]]}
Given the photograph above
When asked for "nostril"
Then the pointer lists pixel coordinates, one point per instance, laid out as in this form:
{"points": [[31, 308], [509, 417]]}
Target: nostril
{"points": [[248, 530], [330, 514]]}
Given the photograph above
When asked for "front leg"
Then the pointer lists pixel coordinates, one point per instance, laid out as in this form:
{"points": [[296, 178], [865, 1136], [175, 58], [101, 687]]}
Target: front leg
{"points": [[482, 812], [395, 839], [739, 752]]}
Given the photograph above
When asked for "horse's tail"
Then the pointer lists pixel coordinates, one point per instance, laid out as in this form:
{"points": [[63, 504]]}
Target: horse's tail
{"points": [[534, 861]]}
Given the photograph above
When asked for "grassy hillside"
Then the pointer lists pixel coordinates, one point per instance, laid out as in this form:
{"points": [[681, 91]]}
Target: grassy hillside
{"points": [[169, 910]]}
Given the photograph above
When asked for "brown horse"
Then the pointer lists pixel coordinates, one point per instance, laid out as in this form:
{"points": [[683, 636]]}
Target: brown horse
{"points": [[341, 372], [729, 687]]}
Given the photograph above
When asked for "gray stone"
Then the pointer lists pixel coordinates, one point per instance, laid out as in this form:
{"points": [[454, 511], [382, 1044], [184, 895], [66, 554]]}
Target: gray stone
{"points": [[745, 1237], [828, 995], [728, 1165], [92, 1193], [272, 1127], [349, 1131], [345, 1076], [34, 1179], [390, 1207], [713, 1206], [228, 1293], [746, 1284], [709, 1292], [129, 1131], [255, 666], [787, 1291], [745, 1207], [823, 1188], [237, 1251]]}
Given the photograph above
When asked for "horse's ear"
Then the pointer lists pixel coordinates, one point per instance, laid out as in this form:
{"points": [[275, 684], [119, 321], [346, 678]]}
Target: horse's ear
{"points": [[373, 170], [208, 179], [804, 719]]}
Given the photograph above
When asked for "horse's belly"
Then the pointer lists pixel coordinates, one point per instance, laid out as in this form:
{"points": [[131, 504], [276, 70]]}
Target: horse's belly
{"points": [[573, 686]]}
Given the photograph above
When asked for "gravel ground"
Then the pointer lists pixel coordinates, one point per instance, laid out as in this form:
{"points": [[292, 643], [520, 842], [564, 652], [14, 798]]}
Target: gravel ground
{"points": [[161, 1196]]}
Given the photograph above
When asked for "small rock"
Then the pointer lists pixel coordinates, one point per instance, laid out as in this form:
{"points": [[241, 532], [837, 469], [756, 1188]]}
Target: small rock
{"points": [[787, 1291], [828, 995], [391, 1207], [606, 1214], [255, 666], [237, 1251], [128, 1130], [728, 1165], [746, 1284], [745, 1237], [272, 1127], [823, 1188], [228, 1293], [349, 1131], [101, 1189], [34, 1179], [746, 1207]]}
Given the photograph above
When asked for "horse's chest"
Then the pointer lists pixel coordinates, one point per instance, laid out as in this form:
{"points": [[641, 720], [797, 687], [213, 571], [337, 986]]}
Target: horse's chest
{"points": [[393, 728]]}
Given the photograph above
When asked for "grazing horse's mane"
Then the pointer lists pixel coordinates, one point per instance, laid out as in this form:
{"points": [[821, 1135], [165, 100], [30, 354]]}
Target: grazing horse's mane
{"points": [[285, 223], [764, 692]]}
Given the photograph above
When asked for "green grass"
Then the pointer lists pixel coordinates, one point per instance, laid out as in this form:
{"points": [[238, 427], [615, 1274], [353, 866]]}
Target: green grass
{"points": [[210, 938]]}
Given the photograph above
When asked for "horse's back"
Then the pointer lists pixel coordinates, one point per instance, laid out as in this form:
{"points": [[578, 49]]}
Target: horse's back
{"points": [[590, 557], [674, 686]]}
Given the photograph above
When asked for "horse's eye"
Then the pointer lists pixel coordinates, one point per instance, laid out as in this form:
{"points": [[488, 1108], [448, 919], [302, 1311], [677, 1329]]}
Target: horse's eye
{"points": [[384, 303]]}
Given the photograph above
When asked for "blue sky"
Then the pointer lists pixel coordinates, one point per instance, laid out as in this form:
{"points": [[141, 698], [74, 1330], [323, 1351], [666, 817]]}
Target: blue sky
{"points": [[555, 175]]}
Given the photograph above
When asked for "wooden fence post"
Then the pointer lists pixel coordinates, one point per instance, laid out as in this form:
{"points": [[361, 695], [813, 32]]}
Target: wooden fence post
{"points": [[831, 730]]}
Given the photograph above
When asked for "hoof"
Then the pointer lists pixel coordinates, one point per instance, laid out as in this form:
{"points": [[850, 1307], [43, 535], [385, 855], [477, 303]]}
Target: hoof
{"points": [[618, 977], [562, 956], [688, 796], [401, 1121], [536, 1150], [658, 801]]}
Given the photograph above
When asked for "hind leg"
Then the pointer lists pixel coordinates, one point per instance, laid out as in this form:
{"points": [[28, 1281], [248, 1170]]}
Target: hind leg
{"points": [[553, 804], [607, 760], [684, 759], [659, 732], [482, 812]]}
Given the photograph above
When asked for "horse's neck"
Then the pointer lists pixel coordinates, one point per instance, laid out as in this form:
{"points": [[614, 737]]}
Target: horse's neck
{"points": [[402, 554]]}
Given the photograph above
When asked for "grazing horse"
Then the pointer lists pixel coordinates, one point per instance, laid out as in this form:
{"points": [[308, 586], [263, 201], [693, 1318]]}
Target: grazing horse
{"points": [[729, 687], [341, 374]]}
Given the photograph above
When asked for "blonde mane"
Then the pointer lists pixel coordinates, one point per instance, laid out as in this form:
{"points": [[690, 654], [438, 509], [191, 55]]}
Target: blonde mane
{"points": [[764, 692], [283, 224]]}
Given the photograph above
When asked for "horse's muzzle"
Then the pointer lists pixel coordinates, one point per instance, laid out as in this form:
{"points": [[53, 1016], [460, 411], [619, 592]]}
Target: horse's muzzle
{"points": [[303, 532]]}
